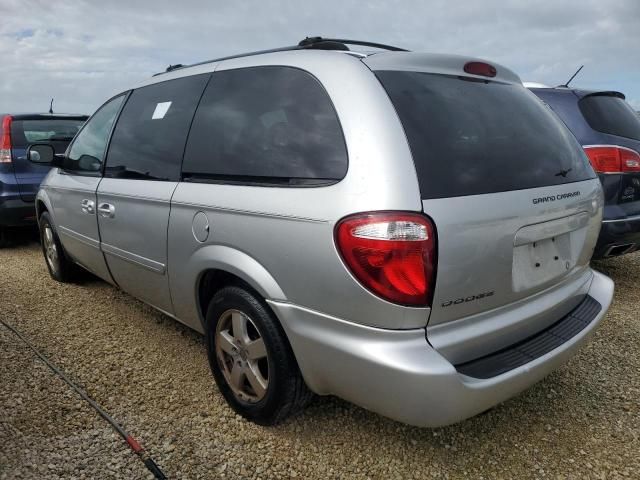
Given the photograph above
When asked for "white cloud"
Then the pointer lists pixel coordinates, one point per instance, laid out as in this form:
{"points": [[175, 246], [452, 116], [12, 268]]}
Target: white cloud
{"points": [[81, 53]]}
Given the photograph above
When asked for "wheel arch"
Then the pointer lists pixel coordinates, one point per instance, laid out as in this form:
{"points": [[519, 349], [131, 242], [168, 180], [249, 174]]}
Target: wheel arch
{"points": [[43, 205], [220, 266]]}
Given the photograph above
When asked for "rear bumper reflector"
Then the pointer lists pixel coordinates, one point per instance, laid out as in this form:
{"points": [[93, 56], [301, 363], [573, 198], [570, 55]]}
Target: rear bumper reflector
{"points": [[535, 346]]}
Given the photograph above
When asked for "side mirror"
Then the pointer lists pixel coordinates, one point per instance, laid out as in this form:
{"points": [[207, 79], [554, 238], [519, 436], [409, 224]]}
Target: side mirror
{"points": [[41, 153], [89, 163]]}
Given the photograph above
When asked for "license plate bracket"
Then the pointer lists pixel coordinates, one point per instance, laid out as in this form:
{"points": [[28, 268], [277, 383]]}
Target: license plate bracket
{"points": [[541, 261]]}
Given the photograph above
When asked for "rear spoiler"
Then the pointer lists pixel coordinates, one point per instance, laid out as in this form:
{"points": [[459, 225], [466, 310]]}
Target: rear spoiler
{"points": [[606, 93]]}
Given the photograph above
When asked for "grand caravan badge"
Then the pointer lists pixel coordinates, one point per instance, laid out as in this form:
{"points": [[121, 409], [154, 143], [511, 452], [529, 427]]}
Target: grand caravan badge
{"points": [[553, 198]]}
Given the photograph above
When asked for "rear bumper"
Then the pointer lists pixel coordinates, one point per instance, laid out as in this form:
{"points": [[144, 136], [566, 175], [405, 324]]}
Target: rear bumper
{"points": [[15, 212], [396, 373], [617, 234]]}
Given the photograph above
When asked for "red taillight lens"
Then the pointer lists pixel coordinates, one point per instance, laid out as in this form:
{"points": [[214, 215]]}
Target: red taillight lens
{"points": [[391, 254], [629, 160], [613, 159], [5, 140], [480, 68]]}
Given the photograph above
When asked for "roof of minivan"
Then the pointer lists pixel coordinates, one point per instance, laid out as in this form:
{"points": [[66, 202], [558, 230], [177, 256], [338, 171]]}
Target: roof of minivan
{"points": [[408, 61]]}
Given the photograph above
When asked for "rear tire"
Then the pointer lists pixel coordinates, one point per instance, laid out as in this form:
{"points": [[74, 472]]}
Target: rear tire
{"points": [[251, 359], [61, 268]]}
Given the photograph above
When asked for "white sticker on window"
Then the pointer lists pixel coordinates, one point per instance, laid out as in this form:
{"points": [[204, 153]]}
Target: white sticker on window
{"points": [[161, 110]]}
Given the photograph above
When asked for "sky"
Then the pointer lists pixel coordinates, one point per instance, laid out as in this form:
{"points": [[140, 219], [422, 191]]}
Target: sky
{"points": [[83, 52]]}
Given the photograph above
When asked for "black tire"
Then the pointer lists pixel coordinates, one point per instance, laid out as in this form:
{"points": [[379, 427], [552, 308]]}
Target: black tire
{"points": [[286, 392], [5, 239], [61, 268]]}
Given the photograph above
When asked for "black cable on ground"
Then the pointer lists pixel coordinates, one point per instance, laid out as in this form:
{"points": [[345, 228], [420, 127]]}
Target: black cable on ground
{"points": [[133, 444]]}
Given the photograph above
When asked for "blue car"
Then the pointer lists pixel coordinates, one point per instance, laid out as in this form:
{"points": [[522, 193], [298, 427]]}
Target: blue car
{"points": [[19, 178], [609, 131]]}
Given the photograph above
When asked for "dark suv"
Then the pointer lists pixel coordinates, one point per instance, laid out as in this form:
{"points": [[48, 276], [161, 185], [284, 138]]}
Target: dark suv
{"points": [[19, 178], [609, 131]]}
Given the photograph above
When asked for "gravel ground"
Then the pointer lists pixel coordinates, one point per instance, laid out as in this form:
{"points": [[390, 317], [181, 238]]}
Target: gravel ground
{"points": [[151, 374]]}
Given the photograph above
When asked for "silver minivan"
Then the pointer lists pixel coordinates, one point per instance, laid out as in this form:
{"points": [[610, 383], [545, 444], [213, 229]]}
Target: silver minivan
{"points": [[410, 232]]}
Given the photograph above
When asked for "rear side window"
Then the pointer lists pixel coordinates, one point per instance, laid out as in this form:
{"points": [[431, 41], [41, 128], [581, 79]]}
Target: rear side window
{"points": [[472, 137], [272, 125], [148, 140], [610, 114], [25, 132]]}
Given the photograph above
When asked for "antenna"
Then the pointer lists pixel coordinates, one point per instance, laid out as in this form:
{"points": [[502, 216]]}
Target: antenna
{"points": [[573, 76], [51, 106]]}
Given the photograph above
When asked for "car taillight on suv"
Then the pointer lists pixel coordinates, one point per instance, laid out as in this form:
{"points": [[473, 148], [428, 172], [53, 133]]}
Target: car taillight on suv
{"points": [[391, 254], [613, 159], [5, 140]]}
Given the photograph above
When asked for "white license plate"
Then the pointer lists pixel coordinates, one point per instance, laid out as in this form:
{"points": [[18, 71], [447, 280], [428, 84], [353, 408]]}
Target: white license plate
{"points": [[541, 261]]}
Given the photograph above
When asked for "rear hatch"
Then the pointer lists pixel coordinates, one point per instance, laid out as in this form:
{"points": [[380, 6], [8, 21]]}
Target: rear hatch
{"points": [[614, 123], [28, 129], [516, 205]]}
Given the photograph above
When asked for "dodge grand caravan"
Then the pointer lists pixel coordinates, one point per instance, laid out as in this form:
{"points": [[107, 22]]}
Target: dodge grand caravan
{"points": [[410, 232]]}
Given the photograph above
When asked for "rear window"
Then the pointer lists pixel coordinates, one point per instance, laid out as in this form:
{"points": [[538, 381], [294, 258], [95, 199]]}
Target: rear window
{"points": [[611, 114], [471, 137], [26, 132]]}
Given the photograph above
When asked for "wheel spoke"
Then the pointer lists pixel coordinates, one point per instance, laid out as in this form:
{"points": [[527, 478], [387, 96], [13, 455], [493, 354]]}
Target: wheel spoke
{"points": [[239, 327], [237, 376], [256, 381], [49, 236], [256, 349], [225, 341]]}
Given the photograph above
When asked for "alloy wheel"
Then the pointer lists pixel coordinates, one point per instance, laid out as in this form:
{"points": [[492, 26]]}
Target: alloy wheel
{"points": [[50, 249], [242, 356]]}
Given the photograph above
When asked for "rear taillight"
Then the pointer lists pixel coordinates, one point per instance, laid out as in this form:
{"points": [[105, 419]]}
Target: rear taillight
{"points": [[5, 140], [613, 159], [391, 254]]}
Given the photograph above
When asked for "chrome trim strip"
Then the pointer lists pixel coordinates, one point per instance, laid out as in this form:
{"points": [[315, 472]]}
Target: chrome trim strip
{"points": [[610, 145], [625, 219], [137, 197], [86, 191], [144, 262], [79, 237], [248, 212]]}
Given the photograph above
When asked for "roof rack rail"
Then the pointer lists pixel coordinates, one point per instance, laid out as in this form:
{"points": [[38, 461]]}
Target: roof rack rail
{"points": [[341, 44], [316, 43]]}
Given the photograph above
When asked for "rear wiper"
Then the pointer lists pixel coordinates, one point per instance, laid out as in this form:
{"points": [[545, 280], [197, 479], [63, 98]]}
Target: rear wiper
{"points": [[563, 173]]}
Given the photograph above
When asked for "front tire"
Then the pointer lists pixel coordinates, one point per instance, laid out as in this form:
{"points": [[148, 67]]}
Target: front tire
{"points": [[251, 359], [61, 268], [5, 239]]}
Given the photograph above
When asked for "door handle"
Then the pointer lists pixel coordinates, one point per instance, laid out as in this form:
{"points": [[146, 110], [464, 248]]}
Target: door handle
{"points": [[107, 210], [88, 206]]}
